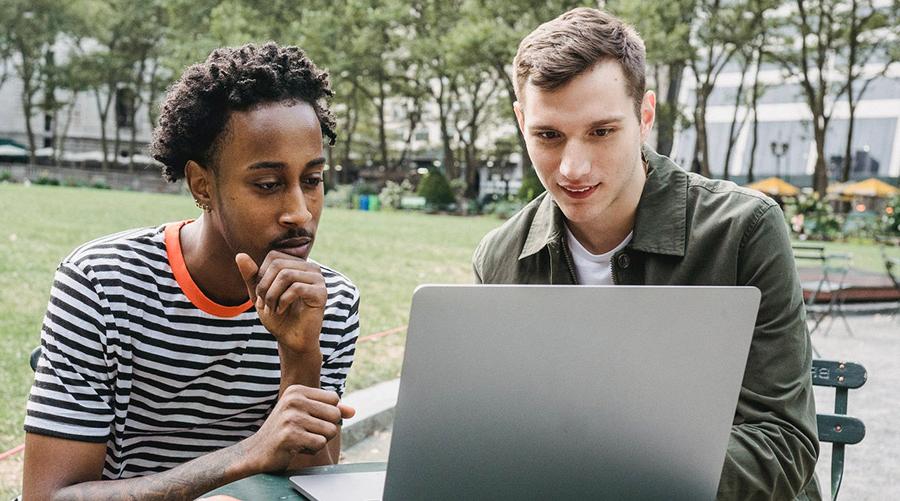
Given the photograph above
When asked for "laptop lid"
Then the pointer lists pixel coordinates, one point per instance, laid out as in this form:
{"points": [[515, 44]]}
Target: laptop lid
{"points": [[568, 392]]}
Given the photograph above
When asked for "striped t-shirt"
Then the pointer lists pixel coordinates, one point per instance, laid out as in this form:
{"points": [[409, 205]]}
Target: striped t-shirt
{"points": [[135, 356]]}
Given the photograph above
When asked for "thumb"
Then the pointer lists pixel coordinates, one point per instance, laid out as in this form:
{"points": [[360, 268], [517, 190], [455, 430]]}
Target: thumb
{"points": [[248, 270], [347, 412]]}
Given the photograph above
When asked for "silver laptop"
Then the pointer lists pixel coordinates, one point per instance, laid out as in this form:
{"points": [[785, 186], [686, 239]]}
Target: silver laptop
{"points": [[565, 392]]}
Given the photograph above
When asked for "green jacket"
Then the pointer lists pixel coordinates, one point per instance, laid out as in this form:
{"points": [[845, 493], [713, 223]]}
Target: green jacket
{"points": [[690, 230]]}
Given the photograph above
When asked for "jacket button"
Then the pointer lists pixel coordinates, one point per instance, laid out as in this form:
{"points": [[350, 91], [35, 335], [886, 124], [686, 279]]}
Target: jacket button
{"points": [[624, 261]]}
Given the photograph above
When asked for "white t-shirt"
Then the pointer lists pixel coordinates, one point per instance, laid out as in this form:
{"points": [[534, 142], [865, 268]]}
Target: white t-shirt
{"points": [[592, 269]]}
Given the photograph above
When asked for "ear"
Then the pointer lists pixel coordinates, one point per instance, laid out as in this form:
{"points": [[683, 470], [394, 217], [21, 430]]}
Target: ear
{"points": [[199, 182], [648, 114], [520, 116]]}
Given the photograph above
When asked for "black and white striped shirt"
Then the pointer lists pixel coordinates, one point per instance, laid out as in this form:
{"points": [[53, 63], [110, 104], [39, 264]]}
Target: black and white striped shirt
{"points": [[135, 356]]}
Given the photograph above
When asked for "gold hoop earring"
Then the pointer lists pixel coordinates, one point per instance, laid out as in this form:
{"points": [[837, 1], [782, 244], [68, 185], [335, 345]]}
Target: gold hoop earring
{"points": [[202, 206]]}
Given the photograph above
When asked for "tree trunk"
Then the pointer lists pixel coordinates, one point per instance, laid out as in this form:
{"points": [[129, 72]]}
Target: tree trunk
{"points": [[103, 111], [27, 107], [851, 77], [701, 149], [61, 148], [754, 105], [511, 95], [820, 175], [449, 166], [382, 133], [732, 139], [668, 115]]}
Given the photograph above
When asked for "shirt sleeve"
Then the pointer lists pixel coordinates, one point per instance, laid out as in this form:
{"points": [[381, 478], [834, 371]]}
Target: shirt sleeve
{"points": [[71, 396], [773, 445], [342, 325]]}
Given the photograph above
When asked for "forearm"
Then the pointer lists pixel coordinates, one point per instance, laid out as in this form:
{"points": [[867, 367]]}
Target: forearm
{"points": [[299, 368], [306, 369], [186, 481], [766, 462]]}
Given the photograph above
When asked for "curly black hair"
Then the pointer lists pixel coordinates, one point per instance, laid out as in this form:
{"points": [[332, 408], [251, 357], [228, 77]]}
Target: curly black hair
{"points": [[197, 106]]}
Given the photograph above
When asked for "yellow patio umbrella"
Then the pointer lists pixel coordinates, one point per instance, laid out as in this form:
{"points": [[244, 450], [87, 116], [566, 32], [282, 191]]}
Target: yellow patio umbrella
{"points": [[871, 187], [775, 186]]}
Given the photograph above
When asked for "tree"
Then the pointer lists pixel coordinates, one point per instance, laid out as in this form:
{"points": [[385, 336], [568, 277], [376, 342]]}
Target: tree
{"points": [[720, 28], [756, 92], [810, 37], [31, 30], [868, 36], [497, 27], [665, 28]]}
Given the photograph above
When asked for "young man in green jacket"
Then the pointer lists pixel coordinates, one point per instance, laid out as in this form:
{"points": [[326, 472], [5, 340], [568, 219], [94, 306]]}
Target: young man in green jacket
{"points": [[616, 212]]}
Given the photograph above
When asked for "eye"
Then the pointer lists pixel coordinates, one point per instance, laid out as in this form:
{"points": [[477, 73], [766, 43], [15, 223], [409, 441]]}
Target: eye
{"points": [[313, 181], [602, 132], [547, 135], [267, 186]]}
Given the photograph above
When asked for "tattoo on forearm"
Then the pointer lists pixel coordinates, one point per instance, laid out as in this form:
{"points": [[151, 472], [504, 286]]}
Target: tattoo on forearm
{"points": [[186, 481]]}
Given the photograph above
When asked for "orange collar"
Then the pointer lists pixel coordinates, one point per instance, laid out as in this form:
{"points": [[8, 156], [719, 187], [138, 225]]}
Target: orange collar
{"points": [[183, 277]]}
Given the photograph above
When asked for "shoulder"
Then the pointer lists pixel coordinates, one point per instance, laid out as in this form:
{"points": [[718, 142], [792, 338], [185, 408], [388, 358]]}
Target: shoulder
{"points": [[737, 211], [508, 240], [134, 243], [726, 193], [341, 290]]}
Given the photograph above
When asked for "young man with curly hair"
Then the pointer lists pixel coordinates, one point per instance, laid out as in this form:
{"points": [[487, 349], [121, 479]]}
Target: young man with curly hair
{"points": [[616, 212], [178, 358]]}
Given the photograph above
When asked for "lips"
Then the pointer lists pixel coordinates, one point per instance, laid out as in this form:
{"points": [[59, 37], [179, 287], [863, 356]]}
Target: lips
{"points": [[298, 247], [579, 192]]}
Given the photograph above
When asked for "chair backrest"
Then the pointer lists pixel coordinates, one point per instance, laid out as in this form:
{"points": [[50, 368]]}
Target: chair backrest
{"points": [[836, 267], [808, 251], [33, 359], [838, 429]]}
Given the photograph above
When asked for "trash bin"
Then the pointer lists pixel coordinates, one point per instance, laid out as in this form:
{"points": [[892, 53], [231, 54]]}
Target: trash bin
{"points": [[364, 202], [374, 202]]}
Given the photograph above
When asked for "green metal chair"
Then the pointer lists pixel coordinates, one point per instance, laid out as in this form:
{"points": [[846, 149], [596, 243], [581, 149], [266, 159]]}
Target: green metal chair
{"points": [[838, 429], [33, 360]]}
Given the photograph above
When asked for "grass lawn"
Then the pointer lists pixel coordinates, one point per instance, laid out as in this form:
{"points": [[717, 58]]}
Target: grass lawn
{"points": [[387, 254]]}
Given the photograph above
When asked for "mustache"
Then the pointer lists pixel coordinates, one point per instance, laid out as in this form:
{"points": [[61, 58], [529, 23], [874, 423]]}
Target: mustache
{"points": [[279, 242]]}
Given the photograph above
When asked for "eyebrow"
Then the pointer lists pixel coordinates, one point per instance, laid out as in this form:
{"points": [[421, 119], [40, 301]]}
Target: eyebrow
{"points": [[281, 165], [612, 119]]}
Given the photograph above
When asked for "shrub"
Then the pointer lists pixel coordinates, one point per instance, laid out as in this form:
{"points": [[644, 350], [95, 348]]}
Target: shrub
{"points": [[436, 190], [531, 187], [819, 219], [504, 208], [340, 195], [6, 177], [47, 181], [392, 193], [890, 221]]}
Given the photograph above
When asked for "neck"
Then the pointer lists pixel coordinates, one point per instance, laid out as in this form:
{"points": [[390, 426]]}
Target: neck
{"points": [[210, 261], [601, 235]]}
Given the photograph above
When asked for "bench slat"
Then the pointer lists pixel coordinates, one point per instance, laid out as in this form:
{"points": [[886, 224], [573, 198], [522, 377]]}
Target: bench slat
{"points": [[838, 374], [840, 429]]}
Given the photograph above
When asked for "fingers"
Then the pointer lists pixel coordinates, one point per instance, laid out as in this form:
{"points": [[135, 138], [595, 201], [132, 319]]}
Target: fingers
{"points": [[278, 275], [249, 271], [347, 412], [292, 285]]}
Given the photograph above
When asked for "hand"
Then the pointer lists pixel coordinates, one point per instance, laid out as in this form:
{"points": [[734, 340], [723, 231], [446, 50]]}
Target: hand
{"points": [[290, 296], [302, 422]]}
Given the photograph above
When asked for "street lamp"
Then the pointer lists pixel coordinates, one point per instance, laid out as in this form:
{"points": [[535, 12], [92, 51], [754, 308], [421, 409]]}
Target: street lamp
{"points": [[780, 150]]}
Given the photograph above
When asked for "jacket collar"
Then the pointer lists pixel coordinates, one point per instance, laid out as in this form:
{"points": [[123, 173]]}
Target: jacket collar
{"points": [[661, 220]]}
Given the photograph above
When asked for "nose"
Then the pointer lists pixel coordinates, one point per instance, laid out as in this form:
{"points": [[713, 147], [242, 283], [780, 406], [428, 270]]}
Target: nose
{"points": [[575, 163], [294, 210]]}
